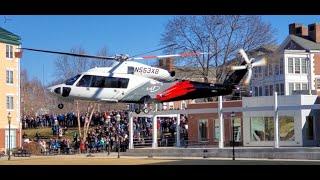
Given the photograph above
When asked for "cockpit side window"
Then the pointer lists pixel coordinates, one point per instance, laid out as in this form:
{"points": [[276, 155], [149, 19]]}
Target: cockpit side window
{"points": [[85, 81], [72, 80]]}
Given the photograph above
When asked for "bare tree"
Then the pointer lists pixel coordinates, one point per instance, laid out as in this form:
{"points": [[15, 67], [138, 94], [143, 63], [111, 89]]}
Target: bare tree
{"points": [[69, 66], [219, 36], [33, 96]]}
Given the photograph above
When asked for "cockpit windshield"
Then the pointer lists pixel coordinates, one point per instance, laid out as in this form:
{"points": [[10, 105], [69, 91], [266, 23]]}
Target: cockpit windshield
{"points": [[72, 80]]}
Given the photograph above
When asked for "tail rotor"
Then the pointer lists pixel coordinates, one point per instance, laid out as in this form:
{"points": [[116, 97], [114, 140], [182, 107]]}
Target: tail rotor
{"points": [[250, 63]]}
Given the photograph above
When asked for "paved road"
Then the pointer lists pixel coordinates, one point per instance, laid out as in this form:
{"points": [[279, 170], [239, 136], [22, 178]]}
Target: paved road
{"points": [[98, 160]]}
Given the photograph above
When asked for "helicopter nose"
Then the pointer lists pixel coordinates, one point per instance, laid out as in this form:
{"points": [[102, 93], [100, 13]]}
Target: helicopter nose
{"points": [[55, 89]]}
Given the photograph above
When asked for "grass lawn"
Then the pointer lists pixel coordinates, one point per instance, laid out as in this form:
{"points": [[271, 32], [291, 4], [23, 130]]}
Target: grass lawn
{"points": [[31, 133]]}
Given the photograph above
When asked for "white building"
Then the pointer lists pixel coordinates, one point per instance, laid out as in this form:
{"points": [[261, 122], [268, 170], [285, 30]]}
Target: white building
{"points": [[293, 67], [298, 121]]}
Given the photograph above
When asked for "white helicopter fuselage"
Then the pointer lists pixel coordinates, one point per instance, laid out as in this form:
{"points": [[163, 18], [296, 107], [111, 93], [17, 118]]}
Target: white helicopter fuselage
{"points": [[119, 83]]}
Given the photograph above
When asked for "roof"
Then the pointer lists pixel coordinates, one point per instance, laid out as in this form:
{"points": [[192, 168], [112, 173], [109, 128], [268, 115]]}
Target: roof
{"points": [[9, 37], [304, 43]]}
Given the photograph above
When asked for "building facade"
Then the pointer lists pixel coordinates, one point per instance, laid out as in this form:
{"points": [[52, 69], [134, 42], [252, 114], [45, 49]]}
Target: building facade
{"points": [[205, 127], [254, 121], [294, 68], [299, 123], [9, 89]]}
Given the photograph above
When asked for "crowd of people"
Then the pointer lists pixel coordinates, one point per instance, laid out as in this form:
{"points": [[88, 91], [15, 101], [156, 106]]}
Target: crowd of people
{"points": [[109, 131]]}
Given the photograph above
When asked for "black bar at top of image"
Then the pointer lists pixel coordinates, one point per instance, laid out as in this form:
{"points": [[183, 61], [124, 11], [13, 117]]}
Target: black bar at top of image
{"points": [[160, 7]]}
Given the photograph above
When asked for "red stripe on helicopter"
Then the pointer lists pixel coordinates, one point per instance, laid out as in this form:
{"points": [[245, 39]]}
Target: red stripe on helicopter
{"points": [[179, 89], [149, 57], [189, 54]]}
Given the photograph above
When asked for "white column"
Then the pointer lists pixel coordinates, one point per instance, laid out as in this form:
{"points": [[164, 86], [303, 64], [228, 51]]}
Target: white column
{"points": [[131, 131], [221, 124], [178, 131], [309, 70], [276, 121], [155, 133]]}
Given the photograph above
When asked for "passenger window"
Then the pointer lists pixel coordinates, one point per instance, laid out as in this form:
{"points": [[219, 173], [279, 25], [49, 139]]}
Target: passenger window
{"points": [[112, 82], [103, 82], [123, 82], [98, 81], [85, 81]]}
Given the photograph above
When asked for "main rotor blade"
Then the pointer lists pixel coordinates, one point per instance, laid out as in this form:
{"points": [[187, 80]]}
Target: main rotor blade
{"points": [[234, 68], [170, 45], [70, 54], [186, 54], [261, 62], [247, 81], [244, 55]]}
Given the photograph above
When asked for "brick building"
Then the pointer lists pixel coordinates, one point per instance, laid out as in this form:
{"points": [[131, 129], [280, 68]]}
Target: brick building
{"points": [[205, 127], [9, 89]]}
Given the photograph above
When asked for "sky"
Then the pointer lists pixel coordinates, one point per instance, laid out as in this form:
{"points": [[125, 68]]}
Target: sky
{"points": [[119, 34]]}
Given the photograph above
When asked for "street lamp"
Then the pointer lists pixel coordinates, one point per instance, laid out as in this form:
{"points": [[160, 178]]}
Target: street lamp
{"points": [[9, 122], [118, 118], [232, 117]]}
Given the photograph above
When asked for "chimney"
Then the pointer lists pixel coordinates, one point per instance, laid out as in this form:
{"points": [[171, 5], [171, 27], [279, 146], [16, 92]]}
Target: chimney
{"points": [[166, 64], [298, 30], [314, 32], [293, 27], [161, 63], [169, 64], [302, 31]]}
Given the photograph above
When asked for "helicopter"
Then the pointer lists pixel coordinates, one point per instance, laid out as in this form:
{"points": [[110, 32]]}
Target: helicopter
{"points": [[129, 81]]}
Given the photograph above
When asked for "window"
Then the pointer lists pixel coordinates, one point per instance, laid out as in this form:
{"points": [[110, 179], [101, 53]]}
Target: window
{"points": [[261, 128], [304, 86], [237, 130], [276, 69], [291, 88], [85, 81], [171, 105], [266, 90], [98, 81], [270, 69], [318, 83], [266, 71], [290, 65], [303, 66], [278, 89], [281, 67], [216, 130], [10, 102], [286, 128], [9, 51], [260, 91], [203, 130], [256, 91], [72, 80], [281, 89], [255, 72], [103, 82], [309, 127], [259, 72], [271, 90], [12, 139], [298, 86], [297, 65], [9, 77], [183, 105], [130, 70]]}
